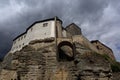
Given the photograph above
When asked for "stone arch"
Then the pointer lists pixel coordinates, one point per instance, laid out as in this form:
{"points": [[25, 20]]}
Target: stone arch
{"points": [[65, 51]]}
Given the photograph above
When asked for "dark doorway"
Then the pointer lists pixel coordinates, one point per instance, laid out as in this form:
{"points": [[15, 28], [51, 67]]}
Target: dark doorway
{"points": [[65, 51]]}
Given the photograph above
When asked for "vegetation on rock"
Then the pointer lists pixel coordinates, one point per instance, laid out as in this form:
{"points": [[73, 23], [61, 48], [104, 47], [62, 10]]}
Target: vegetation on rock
{"points": [[115, 66]]}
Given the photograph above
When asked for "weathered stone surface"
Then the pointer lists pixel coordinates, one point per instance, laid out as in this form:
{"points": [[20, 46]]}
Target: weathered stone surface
{"points": [[103, 49], [40, 61], [116, 76], [90, 65]]}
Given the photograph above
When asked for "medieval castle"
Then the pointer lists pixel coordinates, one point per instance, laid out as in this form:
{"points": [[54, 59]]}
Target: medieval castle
{"points": [[34, 53], [51, 28]]}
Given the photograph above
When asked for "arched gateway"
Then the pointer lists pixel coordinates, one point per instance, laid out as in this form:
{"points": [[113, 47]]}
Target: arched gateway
{"points": [[65, 51]]}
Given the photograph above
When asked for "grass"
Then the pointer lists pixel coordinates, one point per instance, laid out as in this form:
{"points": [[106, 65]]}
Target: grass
{"points": [[115, 66]]}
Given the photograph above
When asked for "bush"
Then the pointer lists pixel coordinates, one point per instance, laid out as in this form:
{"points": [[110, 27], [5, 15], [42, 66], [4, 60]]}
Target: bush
{"points": [[115, 67]]}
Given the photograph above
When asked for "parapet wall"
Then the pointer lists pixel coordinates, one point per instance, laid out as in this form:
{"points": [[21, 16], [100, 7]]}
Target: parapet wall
{"points": [[85, 42]]}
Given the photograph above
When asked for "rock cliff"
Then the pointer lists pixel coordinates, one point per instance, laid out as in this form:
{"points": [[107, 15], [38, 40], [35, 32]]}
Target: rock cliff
{"points": [[40, 60]]}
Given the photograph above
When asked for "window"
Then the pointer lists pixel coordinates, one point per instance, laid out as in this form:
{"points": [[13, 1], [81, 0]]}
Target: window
{"points": [[24, 35], [31, 29], [18, 39], [97, 47], [45, 24], [19, 46], [14, 42], [21, 38]]}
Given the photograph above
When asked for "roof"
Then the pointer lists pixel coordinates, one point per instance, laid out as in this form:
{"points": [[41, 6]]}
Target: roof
{"points": [[101, 44], [50, 19], [74, 25]]}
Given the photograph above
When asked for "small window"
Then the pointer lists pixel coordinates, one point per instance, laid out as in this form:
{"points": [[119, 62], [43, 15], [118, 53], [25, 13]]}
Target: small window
{"points": [[31, 29], [45, 24], [24, 36], [14, 42], [98, 47], [21, 38], [18, 39], [19, 46]]}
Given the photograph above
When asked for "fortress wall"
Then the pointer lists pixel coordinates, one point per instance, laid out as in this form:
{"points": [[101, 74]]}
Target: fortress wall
{"points": [[8, 75], [37, 31], [103, 49], [64, 33], [84, 41], [59, 29], [73, 29], [40, 32]]}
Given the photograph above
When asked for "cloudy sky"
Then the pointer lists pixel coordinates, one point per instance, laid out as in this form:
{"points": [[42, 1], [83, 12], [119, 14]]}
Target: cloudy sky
{"points": [[99, 19]]}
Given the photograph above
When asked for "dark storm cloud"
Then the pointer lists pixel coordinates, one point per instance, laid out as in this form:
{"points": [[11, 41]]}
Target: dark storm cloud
{"points": [[5, 43], [93, 16]]}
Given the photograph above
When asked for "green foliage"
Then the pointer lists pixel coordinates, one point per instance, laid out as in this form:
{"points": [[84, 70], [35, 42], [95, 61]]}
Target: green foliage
{"points": [[107, 57], [115, 67]]}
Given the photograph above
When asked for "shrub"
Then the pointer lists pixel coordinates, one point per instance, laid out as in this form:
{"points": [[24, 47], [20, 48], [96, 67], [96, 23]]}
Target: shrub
{"points": [[115, 67]]}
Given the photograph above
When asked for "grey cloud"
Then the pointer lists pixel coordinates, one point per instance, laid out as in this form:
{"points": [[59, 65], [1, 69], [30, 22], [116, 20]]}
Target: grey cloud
{"points": [[5, 43], [4, 3]]}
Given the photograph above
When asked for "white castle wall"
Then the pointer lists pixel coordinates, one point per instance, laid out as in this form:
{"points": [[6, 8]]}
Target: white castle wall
{"points": [[37, 31]]}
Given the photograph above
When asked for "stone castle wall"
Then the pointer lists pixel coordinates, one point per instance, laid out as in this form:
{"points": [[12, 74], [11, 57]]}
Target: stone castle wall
{"points": [[103, 49]]}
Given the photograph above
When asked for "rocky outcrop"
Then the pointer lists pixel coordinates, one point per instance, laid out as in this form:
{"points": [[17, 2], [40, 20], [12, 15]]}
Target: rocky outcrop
{"points": [[41, 61], [90, 65], [116, 76]]}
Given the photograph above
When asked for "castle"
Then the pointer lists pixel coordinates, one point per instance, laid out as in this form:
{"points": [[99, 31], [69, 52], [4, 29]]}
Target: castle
{"points": [[52, 28], [48, 51]]}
